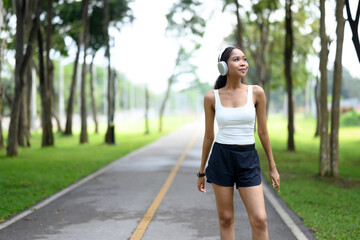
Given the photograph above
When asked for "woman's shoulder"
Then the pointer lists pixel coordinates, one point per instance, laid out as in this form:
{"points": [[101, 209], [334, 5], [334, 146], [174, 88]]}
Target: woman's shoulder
{"points": [[257, 90], [210, 96], [258, 93]]}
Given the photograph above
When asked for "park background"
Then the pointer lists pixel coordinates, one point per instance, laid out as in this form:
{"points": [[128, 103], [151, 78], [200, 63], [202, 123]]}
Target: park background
{"points": [[162, 61]]}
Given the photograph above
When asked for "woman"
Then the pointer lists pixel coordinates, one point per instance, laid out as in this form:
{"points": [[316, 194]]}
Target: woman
{"points": [[233, 158]]}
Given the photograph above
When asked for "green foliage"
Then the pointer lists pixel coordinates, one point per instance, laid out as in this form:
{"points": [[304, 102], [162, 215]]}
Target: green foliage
{"points": [[261, 6], [70, 23], [185, 22], [67, 21], [328, 206], [39, 172], [119, 12], [184, 19], [349, 87], [305, 31], [350, 119]]}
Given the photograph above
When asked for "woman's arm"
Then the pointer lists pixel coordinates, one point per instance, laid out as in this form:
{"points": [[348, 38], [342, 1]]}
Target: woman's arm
{"points": [[209, 108], [260, 104]]}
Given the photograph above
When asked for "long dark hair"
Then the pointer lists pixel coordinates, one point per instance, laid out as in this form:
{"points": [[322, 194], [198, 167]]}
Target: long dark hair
{"points": [[221, 80]]}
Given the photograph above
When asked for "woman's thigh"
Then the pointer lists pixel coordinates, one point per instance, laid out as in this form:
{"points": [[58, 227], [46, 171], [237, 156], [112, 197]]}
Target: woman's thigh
{"points": [[253, 199], [224, 200]]}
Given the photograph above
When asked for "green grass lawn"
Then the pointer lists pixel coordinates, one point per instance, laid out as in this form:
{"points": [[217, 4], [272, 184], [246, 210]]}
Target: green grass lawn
{"points": [[39, 172], [330, 207]]}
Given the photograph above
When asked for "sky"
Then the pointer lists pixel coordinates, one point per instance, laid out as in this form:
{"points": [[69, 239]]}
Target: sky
{"points": [[145, 55]]}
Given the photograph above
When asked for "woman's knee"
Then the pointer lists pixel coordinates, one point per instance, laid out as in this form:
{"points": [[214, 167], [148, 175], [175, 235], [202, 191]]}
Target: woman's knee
{"points": [[259, 221], [226, 219]]}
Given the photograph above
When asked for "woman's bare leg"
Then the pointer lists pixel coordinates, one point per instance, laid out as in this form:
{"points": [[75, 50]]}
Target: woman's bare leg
{"points": [[253, 199], [225, 208]]}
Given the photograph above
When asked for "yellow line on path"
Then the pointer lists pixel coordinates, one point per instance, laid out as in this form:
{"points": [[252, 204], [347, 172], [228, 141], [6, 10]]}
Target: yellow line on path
{"points": [[141, 227]]}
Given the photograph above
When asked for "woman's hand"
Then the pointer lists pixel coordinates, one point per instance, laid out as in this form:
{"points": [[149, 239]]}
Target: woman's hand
{"points": [[274, 178], [201, 184]]}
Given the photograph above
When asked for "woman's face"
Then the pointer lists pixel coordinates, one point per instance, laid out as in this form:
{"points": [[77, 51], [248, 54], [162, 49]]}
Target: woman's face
{"points": [[237, 63]]}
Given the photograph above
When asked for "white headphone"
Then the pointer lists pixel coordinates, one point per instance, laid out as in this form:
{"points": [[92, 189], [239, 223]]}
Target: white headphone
{"points": [[222, 66]]}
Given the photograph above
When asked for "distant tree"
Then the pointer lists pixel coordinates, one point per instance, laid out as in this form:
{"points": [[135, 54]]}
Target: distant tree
{"points": [[354, 26], [317, 105], [239, 25], [96, 41], [22, 58], [263, 10], [92, 93], [114, 12], [324, 135], [85, 37], [289, 41], [189, 29], [119, 12], [110, 132], [71, 15], [335, 107], [46, 79], [171, 81], [147, 129], [2, 50], [24, 123]]}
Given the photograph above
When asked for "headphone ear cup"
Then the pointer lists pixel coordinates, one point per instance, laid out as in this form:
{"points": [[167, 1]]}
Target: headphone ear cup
{"points": [[222, 67]]}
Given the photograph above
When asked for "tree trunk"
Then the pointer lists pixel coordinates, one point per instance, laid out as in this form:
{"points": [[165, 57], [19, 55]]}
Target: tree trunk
{"points": [[21, 62], [83, 132], [46, 76], [288, 65], [70, 105], [54, 99], [307, 99], [110, 132], [317, 104], [2, 50], [28, 100], [1, 128], [21, 130], [163, 105], [259, 56], [92, 93], [324, 135], [47, 134], [50, 68], [61, 92], [147, 130], [1, 108], [239, 39], [354, 27], [239, 30], [267, 88], [335, 107], [55, 115], [33, 98], [24, 130]]}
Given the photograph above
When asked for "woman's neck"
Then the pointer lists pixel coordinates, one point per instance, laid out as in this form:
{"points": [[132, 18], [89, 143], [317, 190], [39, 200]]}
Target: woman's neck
{"points": [[233, 84]]}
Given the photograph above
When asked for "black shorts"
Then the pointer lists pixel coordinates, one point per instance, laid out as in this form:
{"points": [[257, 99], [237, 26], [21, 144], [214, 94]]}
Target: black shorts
{"points": [[229, 164]]}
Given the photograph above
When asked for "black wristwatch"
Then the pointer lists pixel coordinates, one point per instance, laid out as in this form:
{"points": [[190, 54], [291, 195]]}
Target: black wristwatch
{"points": [[200, 174]]}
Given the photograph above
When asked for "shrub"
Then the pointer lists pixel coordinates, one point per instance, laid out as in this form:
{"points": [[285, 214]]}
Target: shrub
{"points": [[350, 119]]}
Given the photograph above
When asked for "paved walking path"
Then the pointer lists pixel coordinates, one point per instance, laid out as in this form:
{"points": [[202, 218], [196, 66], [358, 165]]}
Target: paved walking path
{"points": [[111, 203]]}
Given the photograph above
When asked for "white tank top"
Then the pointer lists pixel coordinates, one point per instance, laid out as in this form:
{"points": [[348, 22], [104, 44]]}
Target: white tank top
{"points": [[236, 125]]}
